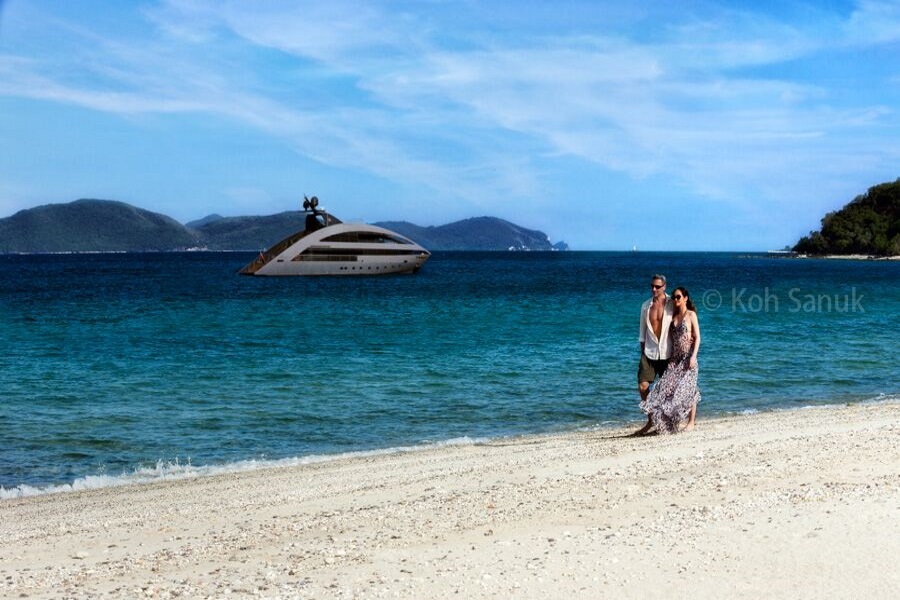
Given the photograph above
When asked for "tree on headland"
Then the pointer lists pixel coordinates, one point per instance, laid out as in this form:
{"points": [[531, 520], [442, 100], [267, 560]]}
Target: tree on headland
{"points": [[869, 224]]}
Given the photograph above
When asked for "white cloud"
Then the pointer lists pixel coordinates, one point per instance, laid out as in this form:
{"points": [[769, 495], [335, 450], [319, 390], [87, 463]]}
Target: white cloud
{"points": [[874, 22], [332, 32]]}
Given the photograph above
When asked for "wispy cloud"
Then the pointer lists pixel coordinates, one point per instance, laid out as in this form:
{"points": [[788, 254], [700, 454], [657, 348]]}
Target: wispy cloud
{"points": [[678, 105], [873, 22]]}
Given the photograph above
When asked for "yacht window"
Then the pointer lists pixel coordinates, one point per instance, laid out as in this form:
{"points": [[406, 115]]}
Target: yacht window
{"points": [[348, 236], [366, 237], [326, 253], [323, 257]]}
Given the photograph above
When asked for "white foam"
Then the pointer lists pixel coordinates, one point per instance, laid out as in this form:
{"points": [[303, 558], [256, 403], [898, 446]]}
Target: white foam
{"points": [[882, 398], [169, 471]]}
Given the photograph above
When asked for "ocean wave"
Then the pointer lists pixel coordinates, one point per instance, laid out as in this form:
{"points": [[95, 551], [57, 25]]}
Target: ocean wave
{"points": [[881, 398], [171, 471]]}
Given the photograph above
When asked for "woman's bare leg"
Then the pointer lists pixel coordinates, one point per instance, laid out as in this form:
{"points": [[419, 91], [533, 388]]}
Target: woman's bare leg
{"points": [[691, 418]]}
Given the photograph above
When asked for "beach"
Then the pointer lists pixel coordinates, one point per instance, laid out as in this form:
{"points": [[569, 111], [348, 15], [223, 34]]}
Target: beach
{"points": [[800, 503]]}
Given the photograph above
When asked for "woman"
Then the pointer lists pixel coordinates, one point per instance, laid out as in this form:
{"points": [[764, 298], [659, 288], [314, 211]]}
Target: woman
{"points": [[674, 399]]}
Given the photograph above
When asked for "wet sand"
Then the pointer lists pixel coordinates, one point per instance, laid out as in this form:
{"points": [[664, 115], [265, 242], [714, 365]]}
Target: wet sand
{"points": [[800, 504]]}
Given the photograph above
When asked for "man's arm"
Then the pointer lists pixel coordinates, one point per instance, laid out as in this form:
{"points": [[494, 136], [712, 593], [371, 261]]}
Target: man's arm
{"points": [[643, 328]]}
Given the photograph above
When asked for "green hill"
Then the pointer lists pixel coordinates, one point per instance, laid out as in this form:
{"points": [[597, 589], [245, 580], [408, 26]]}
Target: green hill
{"points": [[248, 233], [92, 225], [869, 224], [479, 233], [201, 222]]}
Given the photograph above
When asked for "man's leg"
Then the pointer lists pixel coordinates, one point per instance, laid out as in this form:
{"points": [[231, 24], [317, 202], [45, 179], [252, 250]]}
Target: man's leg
{"points": [[644, 390]]}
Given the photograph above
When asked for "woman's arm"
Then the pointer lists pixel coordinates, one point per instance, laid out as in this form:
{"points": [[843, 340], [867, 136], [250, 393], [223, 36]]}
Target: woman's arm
{"points": [[695, 328]]}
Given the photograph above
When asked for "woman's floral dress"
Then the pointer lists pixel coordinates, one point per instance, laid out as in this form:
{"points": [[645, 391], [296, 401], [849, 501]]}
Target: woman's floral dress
{"points": [[670, 401]]}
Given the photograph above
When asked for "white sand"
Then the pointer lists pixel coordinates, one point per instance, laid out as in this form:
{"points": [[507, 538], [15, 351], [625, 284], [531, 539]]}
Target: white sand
{"points": [[802, 504]]}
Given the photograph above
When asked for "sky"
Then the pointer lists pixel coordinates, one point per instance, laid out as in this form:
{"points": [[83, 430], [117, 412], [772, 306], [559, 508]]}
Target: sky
{"points": [[696, 125]]}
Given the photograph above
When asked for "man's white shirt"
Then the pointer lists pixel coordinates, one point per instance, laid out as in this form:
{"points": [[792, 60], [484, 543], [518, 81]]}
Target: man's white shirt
{"points": [[656, 349]]}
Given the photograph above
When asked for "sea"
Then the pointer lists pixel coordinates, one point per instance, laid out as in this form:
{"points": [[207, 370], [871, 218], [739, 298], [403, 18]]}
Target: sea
{"points": [[124, 368]]}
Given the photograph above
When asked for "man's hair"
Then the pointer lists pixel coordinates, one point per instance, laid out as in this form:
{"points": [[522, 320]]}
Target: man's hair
{"points": [[660, 277]]}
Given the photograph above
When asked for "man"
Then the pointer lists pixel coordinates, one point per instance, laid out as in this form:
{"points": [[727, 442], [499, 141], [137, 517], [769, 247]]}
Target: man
{"points": [[656, 316]]}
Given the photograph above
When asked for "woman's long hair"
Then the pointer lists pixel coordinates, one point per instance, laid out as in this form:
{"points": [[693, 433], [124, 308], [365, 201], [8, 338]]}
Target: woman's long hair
{"points": [[687, 298]]}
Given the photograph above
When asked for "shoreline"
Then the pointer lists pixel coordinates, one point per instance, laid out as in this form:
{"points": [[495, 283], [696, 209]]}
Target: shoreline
{"points": [[790, 503], [176, 471], [846, 257]]}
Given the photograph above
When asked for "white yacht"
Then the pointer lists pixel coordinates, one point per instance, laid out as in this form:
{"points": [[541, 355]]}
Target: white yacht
{"points": [[326, 246]]}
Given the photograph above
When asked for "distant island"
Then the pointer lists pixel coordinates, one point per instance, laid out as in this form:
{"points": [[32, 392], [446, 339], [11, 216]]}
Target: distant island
{"points": [[868, 225], [110, 226]]}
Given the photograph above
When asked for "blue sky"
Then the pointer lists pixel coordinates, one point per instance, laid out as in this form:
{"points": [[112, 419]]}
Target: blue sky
{"points": [[665, 125]]}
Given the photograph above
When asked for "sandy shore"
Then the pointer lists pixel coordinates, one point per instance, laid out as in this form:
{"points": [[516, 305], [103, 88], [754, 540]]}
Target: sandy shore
{"points": [[848, 257], [795, 504]]}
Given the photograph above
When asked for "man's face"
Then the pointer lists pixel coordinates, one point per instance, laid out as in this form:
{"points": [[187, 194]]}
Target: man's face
{"points": [[658, 288]]}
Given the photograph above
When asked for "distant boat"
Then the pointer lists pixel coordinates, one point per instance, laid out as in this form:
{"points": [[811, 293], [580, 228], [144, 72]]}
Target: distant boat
{"points": [[634, 249], [326, 246]]}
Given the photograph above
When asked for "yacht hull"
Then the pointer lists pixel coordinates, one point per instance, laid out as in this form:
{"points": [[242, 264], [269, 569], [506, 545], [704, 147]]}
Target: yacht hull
{"points": [[364, 265]]}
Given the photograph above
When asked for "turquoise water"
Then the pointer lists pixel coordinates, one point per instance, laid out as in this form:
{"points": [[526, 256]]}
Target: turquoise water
{"points": [[117, 367]]}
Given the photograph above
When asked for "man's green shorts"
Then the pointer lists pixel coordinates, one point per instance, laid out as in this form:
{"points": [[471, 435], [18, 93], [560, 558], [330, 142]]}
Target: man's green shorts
{"points": [[649, 369]]}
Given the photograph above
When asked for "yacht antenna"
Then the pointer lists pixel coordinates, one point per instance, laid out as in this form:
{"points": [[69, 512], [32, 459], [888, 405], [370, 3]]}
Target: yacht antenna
{"points": [[310, 203]]}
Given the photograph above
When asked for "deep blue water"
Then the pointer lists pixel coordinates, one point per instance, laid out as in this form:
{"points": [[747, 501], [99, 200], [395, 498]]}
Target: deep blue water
{"points": [[121, 363]]}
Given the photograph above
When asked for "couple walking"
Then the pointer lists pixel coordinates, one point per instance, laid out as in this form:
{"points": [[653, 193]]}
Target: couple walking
{"points": [[670, 340]]}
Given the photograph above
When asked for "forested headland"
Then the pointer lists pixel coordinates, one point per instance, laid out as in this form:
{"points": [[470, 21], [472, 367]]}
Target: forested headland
{"points": [[869, 224]]}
